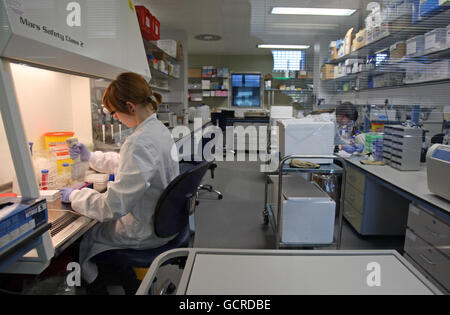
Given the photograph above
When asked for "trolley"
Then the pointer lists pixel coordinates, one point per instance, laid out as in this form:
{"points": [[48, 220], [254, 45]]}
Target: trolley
{"points": [[268, 212]]}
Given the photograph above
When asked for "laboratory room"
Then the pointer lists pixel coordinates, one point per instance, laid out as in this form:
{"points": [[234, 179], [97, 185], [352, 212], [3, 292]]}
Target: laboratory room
{"points": [[225, 148]]}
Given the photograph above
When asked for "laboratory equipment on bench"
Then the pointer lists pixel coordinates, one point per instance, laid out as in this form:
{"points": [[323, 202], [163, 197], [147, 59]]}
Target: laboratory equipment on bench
{"points": [[303, 137], [402, 147], [22, 225], [438, 170], [78, 168], [237, 272]]}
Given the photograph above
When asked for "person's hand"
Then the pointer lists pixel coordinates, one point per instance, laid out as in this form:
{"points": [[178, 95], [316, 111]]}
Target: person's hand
{"points": [[349, 149], [79, 150], [359, 148], [65, 194]]}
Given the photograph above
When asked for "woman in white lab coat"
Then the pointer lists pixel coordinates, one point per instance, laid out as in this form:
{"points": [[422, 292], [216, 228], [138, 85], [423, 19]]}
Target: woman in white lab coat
{"points": [[143, 169]]}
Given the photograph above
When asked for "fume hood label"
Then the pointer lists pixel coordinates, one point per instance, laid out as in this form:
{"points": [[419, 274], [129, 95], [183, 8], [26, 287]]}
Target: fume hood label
{"points": [[50, 32]]}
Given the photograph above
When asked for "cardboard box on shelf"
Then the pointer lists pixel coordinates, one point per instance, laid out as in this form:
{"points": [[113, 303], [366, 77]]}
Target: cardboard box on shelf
{"points": [[360, 40], [333, 51], [327, 72], [398, 50], [195, 73], [348, 40], [304, 75], [180, 53]]}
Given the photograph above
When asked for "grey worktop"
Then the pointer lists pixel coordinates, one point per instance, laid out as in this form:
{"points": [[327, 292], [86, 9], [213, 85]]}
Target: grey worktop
{"points": [[412, 182]]}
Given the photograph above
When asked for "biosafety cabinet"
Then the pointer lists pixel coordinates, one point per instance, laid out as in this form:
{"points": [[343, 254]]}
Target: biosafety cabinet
{"points": [[50, 50]]}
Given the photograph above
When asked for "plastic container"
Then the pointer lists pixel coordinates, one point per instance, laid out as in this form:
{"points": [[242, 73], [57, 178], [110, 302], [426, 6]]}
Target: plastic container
{"points": [[377, 149], [436, 40], [56, 142], [370, 138], [44, 180], [150, 26], [66, 177], [415, 46]]}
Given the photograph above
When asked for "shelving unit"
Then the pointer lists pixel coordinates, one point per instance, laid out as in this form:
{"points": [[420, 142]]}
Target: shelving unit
{"points": [[301, 94], [199, 90], [167, 75], [401, 30]]}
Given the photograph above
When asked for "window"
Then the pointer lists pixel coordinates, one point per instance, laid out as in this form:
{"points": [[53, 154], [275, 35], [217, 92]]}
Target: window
{"points": [[289, 60]]}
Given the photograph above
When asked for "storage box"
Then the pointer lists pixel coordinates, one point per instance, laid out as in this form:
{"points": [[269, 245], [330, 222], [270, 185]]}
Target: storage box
{"points": [[149, 25], [195, 73], [360, 40], [169, 46], [438, 70], [348, 40], [415, 72], [333, 51], [398, 51], [429, 8], [415, 46], [308, 213], [404, 8], [436, 40], [327, 72], [307, 138]]}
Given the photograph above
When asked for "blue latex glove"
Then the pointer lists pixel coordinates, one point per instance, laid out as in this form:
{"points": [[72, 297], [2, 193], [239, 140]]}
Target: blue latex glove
{"points": [[65, 194], [349, 149], [359, 148], [80, 150]]}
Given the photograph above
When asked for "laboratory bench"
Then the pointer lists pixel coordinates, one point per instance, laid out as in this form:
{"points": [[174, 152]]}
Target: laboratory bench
{"points": [[381, 200]]}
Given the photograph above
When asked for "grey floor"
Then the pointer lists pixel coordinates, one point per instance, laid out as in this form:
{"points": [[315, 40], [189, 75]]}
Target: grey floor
{"points": [[236, 222]]}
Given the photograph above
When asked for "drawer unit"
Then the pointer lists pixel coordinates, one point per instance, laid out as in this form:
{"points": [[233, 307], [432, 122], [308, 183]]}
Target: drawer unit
{"points": [[429, 258], [353, 216], [402, 147], [430, 228], [355, 178], [354, 198]]}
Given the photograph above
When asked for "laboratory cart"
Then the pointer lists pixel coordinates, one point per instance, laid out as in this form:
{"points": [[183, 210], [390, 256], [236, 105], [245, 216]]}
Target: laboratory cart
{"points": [[292, 272], [273, 212]]}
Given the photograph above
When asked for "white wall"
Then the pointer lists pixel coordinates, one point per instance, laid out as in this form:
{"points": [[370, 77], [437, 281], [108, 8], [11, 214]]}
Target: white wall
{"points": [[49, 102]]}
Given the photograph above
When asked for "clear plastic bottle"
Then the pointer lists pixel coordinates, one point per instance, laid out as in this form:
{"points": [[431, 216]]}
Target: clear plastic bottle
{"points": [[66, 177]]}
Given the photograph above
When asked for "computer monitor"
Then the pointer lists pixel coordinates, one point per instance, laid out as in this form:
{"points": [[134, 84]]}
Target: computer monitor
{"points": [[246, 90]]}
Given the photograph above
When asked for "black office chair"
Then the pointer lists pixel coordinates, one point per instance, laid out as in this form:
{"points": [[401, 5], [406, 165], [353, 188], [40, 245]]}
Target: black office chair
{"points": [[171, 218], [186, 165]]}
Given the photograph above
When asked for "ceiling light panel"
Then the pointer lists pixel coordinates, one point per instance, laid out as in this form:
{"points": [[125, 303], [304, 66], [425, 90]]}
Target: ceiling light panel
{"points": [[312, 11]]}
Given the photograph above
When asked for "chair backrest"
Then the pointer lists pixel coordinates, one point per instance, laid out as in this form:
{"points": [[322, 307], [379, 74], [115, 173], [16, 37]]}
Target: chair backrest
{"points": [[172, 209]]}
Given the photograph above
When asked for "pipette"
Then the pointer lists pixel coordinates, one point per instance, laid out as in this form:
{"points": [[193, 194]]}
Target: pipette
{"points": [[112, 128]]}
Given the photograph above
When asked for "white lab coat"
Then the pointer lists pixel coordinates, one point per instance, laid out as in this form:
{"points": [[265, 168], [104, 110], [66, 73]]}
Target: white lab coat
{"points": [[143, 170]]}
